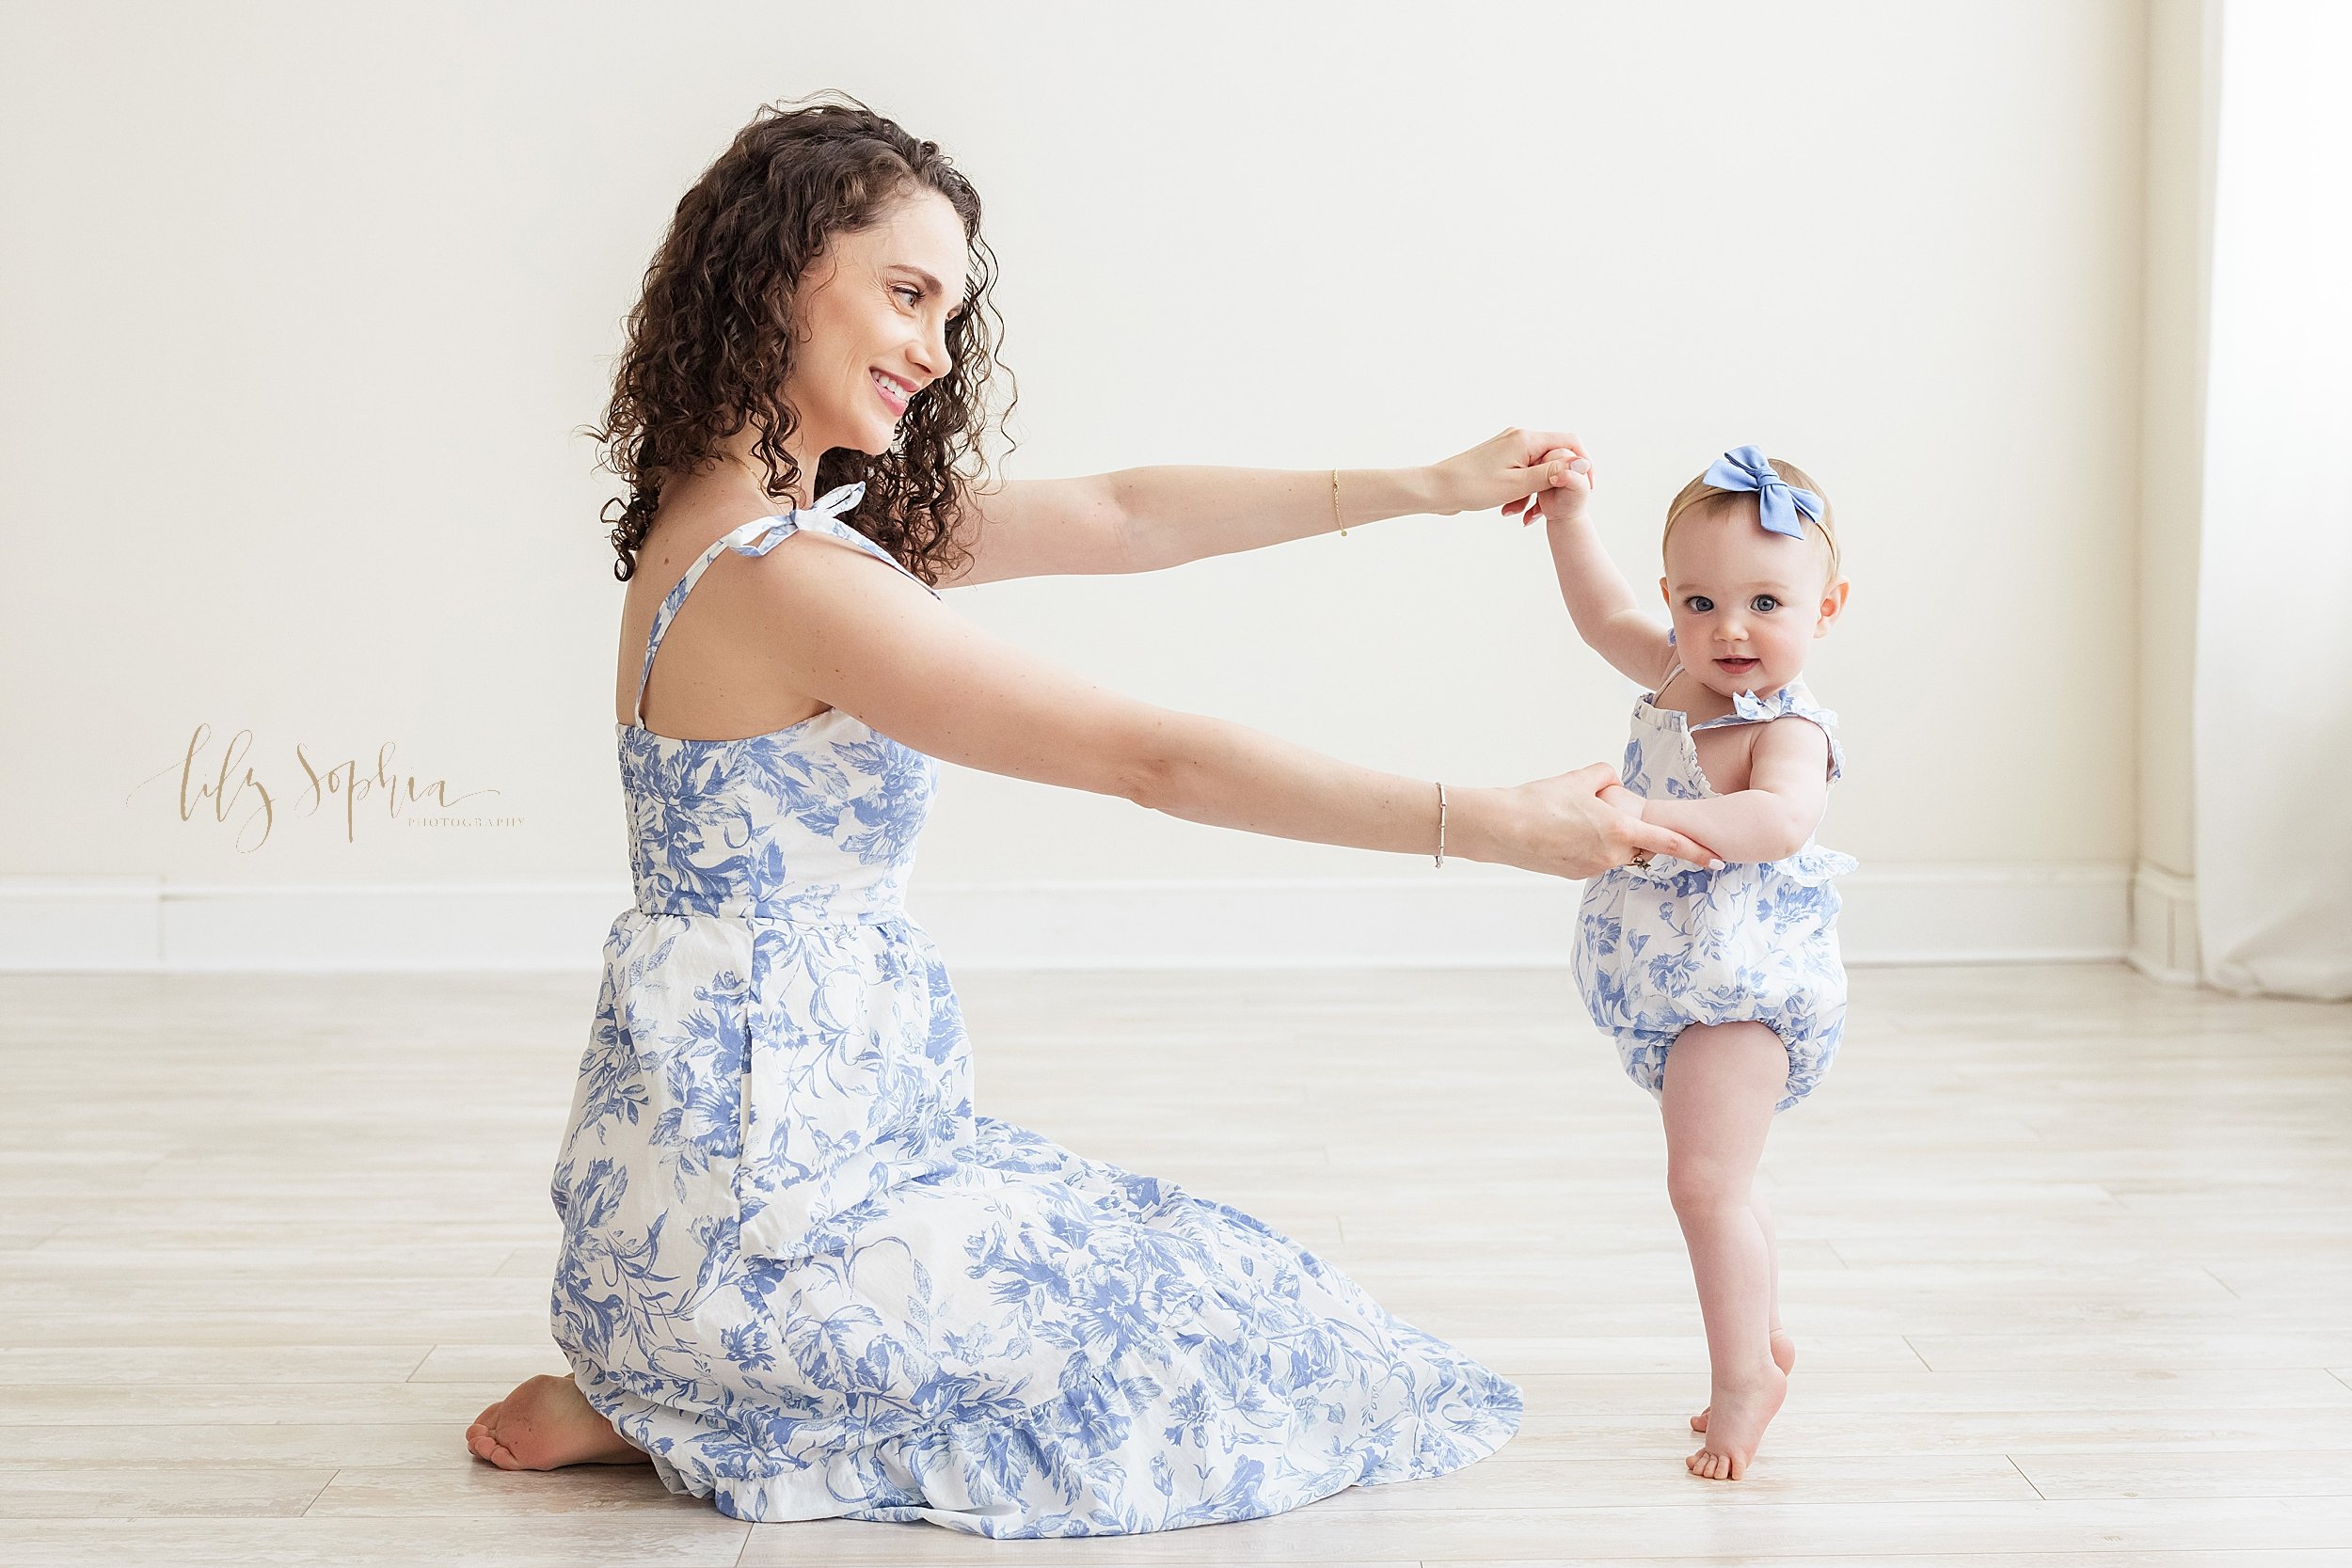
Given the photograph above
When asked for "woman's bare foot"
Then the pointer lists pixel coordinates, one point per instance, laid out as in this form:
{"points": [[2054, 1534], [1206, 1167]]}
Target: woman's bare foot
{"points": [[545, 1423], [1742, 1413], [1784, 1357]]}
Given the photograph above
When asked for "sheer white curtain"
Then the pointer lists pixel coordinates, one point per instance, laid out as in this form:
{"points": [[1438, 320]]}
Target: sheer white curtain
{"points": [[2274, 626]]}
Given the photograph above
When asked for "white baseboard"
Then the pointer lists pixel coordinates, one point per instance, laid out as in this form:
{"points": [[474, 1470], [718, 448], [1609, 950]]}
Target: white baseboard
{"points": [[158, 924], [1457, 918], [2163, 926], [1481, 919]]}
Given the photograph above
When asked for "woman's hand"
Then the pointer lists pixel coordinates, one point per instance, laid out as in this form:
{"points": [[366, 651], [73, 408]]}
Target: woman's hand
{"points": [[1516, 470], [1567, 500], [1568, 826], [1623, 798], [1564, 501]]}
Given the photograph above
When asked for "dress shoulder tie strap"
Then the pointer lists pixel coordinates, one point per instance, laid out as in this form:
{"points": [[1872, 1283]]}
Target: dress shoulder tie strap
{"points": [[758, 537]]}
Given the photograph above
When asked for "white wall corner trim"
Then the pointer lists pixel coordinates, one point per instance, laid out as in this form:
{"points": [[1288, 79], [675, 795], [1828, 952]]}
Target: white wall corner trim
{"points": [[1464, 918], [2164, 925]]}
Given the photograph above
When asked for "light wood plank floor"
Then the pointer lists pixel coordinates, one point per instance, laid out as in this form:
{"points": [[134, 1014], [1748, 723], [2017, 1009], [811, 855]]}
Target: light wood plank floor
{"points": [[2068, 1255]]}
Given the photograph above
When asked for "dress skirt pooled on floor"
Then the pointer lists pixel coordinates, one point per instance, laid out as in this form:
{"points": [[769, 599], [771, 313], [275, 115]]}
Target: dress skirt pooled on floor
{"points": [[803, 1276]]}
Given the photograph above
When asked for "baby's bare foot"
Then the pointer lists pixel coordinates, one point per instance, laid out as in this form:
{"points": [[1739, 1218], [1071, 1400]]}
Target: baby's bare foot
{"points": [[1784, 1357], [1741, 1414], [547, 1422]]}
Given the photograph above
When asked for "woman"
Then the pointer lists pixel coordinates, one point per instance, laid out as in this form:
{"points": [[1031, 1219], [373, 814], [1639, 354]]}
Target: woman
{"points": [[799, 1272]]}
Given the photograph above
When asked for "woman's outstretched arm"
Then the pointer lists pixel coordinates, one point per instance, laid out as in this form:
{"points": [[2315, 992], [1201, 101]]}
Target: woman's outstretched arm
{"points": [[1143, 519], [860, 637]]}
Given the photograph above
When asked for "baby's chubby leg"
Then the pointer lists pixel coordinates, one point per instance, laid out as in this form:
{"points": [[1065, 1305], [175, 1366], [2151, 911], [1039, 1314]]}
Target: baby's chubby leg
{"points": [[1784, 1342], [1722, 1082]]}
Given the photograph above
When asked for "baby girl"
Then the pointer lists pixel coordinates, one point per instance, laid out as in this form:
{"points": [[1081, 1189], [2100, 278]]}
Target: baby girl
{"points": [[1721, 983]]}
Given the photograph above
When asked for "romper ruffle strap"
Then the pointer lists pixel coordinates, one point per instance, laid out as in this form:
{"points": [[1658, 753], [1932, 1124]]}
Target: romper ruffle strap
{"points": [[1790, 702]]}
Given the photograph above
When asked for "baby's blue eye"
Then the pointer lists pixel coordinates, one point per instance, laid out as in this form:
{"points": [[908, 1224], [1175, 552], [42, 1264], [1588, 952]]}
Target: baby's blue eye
{"points": [[1699, 603], [1764, 604]]}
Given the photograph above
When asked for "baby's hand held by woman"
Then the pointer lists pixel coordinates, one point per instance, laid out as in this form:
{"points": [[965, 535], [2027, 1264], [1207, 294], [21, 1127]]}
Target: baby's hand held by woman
{"points": [[1563, 500], [1508, 470], [1623, 798], [1564, 826], [1636, 806]]}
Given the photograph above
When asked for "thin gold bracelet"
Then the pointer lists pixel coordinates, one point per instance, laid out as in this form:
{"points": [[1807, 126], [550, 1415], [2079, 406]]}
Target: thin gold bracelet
{"points": [[1335, 503], [1440, 826]]}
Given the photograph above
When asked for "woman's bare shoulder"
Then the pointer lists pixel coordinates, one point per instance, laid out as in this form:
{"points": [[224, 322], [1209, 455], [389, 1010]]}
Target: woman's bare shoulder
{"points": [[725, 665]]}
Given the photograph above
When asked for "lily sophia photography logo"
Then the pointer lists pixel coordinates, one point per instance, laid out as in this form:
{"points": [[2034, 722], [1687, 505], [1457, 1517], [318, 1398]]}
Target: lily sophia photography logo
{"points": [[226, 786]]}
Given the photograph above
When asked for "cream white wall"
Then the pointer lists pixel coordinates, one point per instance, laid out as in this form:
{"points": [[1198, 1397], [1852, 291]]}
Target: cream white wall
{"points": [[2182, 101], [2171, 473], [304, 306]]}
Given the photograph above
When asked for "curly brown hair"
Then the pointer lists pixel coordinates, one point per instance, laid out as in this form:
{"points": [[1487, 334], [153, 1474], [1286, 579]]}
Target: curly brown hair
{"points": [[710, 339]]}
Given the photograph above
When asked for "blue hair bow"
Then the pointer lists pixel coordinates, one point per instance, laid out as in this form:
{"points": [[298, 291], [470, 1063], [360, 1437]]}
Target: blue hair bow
{"points": [[1777, 501]]}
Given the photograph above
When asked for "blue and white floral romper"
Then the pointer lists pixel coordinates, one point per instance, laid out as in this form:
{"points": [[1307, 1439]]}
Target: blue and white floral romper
{"points": [[1665, 945], [803, 1275]]}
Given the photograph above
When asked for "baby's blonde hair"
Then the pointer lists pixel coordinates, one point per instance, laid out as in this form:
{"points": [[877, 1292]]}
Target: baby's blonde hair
{"points": [[1698, 492]]}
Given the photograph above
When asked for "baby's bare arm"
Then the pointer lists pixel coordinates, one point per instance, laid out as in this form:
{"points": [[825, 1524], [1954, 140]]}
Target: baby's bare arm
{"points": [[1599, 600], [1787, 788]]}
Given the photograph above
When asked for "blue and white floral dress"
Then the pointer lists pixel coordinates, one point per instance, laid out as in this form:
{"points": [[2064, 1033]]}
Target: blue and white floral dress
{"points": [[803, 1276], [1665, 945]]}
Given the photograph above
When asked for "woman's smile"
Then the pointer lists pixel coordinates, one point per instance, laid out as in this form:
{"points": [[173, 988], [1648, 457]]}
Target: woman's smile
{"points": [[895, 393]]}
